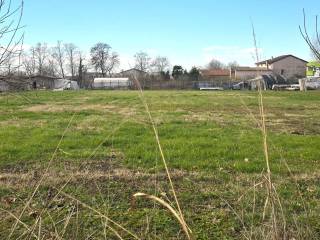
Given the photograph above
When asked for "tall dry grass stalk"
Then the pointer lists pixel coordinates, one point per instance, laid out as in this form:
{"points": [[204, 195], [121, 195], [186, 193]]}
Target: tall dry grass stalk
{"points": [[101, 215], [60, 192], [107, 219], [18, 220], [185, 227], [42, 177], [166, 205], [272, 198], [280, 151]]}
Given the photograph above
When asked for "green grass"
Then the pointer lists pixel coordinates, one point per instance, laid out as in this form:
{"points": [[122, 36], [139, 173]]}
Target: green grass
{"points": [[210, 138]]}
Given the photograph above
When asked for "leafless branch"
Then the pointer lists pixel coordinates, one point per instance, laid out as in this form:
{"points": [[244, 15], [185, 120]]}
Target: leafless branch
{"points": [[304, 33], [11, 42]]}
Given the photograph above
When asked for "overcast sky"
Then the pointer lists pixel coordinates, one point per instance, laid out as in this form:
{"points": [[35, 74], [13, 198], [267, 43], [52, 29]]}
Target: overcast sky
{"points": [[189, 32]]}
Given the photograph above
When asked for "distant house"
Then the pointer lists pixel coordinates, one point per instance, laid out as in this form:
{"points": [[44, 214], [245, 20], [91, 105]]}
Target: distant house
{"points": [[132, 73], [216, 77], [18, 83], [246, 73], [211, 78], [41, 81], [14, 83], [287, 66], [50, 83]]}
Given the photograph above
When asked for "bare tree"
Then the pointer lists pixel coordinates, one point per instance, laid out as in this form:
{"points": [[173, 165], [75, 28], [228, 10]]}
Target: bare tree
{"points": [[215, 64], [41, 54], [160, 64], [102, 58], [72, 54], [233, 64], [29, 62], [142, 61], [58, 54], [99, 56], [50, 68], [313, 44], [10, 38], [8, 66], [81, 71], [113, 62], [316, 45]]}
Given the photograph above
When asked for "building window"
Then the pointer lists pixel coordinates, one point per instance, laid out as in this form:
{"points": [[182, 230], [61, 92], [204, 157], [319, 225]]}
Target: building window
{"points": [[282, 71]]}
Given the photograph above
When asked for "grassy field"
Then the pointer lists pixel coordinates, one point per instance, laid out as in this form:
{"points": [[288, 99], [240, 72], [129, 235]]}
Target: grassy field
{"points": [[108, 152]]}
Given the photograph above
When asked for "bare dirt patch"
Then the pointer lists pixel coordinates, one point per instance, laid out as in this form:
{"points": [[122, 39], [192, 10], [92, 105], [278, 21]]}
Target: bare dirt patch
{"points": [[95, 107], [205, 116], [20, 180]]}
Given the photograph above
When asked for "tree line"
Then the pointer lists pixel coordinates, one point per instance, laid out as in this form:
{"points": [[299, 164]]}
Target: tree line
{"points": [[67, 60]]}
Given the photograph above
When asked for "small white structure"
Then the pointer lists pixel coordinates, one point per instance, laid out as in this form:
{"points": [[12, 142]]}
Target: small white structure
{"points": [[65, 84], [313, 83], [211, 89], [111, 83], [309, 83]]}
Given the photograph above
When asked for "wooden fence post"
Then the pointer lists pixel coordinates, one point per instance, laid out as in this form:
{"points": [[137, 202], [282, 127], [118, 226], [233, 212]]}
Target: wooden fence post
{"points": [[302, 84]]}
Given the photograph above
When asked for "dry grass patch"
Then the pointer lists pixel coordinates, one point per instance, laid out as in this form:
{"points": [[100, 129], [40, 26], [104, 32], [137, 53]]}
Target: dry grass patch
{"points": [[62, 107], [55, 177], [19, 123]]}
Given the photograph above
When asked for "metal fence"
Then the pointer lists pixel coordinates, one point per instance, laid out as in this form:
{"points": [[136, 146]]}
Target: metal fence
{"points": [[181, 84]]}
